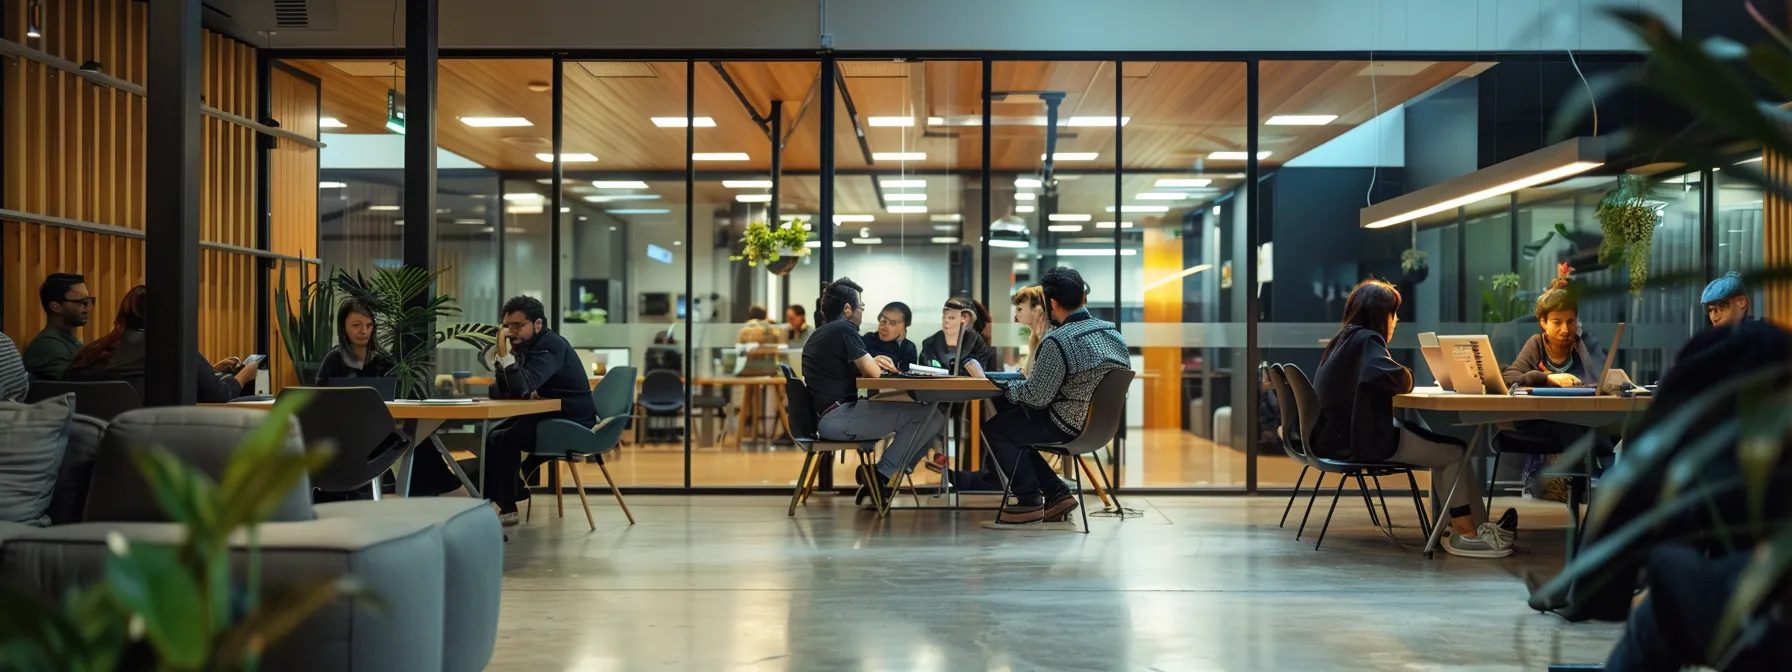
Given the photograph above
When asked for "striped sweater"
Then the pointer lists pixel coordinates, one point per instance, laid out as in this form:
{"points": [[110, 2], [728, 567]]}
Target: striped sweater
{"points": [[13, 381], [1067, 368]]}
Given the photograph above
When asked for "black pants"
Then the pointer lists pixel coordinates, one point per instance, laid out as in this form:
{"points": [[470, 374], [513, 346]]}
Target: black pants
{"points": [[1673, 627], [1009, 434], [504, 448]]}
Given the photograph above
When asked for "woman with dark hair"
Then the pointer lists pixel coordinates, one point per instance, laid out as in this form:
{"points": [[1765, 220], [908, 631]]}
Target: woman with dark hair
{"points": [[357, 354], [122, 355], [969, 318], [1356, 383], [889, 345]]}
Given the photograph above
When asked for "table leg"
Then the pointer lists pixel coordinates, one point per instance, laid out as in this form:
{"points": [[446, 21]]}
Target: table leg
{"points": [[455, 466], [1443, 513], [485, 434], [419, 431], [976, 437]]}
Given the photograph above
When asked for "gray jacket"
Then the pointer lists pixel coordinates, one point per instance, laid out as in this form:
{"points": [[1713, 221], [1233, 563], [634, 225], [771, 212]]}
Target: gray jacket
{"points": [[1069, 365], [1527, 368]]}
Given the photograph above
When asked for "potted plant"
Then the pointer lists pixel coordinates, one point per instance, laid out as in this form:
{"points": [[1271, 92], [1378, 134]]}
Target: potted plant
{"points": [[1415, 266], [306, 321], [403, 306], [778, 249], [1628, 221]]}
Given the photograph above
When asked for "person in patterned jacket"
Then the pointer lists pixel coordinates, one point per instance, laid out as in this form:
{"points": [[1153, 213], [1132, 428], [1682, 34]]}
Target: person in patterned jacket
{"points": [[1052, 404]]}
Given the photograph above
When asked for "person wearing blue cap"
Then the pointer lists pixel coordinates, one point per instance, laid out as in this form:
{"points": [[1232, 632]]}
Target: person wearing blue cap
{"points": [[1726, 301]]}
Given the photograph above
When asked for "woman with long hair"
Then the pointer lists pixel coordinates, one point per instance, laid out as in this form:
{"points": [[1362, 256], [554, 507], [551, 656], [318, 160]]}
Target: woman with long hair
{"points": [[1356, 384], [357, 353], [960, 316], [1031, 312], [122, 355]]}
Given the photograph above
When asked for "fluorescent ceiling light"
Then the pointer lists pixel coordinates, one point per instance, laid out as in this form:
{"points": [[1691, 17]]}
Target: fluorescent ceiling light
{"points": [[1301, 119], [1093, 252], [524, 209], [383, 208], [944, 227], [903, 184], [817, 243], [1183, 182], [754, 198], [1161, 196], [1011, 244], [1570, 157], [619, 184], [943, 239], [1072, 156], [612, 198], [1753, 160], [639, 211], [470, 222], [867, 241], [332, 185], [1023, 209], [936, 121], [905, 197], [330, 122], [1064, 228], [1025, 196], [1141, 208], [906, 209], [747, 184], [1070, 218], [1027, 183], [1236, 156], [1093, 121], [495, 122], [719, 156], [890, 121], [1109, 225], [947, 218], [856, 219], [1175, 276], [899, 156], [679, 122], [567, 157], [522, 196]]}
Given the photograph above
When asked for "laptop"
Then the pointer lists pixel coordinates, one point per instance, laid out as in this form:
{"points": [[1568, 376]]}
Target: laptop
{"points": [[1434, 358], [1472, 365], [387, 387], [1606, 384]]}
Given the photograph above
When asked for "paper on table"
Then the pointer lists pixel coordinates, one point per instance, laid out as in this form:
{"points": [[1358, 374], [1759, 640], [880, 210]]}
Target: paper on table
{"points": [[923, 370]]}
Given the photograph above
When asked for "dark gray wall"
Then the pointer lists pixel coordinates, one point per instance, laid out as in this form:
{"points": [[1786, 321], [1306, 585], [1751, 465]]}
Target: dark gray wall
{"points": [[1442, 135]]}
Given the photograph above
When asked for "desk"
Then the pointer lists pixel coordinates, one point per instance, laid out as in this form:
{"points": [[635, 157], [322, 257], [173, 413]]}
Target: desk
{"points": [[752, 404], [936, 391], [422, 420], [1484, 410]]}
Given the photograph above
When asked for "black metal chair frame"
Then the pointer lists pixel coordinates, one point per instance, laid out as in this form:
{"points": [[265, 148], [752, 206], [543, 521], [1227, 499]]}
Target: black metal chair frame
{"points": [[1107, 409], [1345, 470]]}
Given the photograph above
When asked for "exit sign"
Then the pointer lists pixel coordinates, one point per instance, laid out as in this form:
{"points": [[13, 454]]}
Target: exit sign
{"points": [[395, 111]]}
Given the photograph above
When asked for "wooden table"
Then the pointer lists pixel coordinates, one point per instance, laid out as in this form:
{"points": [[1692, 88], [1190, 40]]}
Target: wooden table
{"points": [[753, 393], [936, 391], [1485, 410], [422, 420]]}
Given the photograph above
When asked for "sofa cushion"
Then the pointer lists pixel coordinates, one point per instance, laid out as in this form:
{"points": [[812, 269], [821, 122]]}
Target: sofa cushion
{"points": [[32, 440], [76, 472], [203, 437]]}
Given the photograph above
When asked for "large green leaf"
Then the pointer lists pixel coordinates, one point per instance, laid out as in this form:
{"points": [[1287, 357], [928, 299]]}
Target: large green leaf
{"points": [[1707, 87], [1593, 564], [150, 581], [263, 443], [1764, 574], [37, 636], [185, 494], [284, 611]]}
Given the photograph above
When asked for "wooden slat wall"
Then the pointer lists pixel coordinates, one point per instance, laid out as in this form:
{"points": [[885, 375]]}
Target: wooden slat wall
{"points": [[292, 194], [1776, 233], [76, 150]]}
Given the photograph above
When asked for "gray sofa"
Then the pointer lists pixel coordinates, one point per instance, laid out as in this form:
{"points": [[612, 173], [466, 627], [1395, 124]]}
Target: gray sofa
{"points": [[435, 563]]}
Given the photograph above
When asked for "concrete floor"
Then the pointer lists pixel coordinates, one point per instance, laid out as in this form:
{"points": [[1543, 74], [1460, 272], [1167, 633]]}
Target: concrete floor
{"points": [[730, 583]]}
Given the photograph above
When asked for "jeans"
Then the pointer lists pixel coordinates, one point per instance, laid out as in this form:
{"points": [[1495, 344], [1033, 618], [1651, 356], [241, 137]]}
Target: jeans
{"points": [[1010, 434], [866, 420], [1445, 458]]}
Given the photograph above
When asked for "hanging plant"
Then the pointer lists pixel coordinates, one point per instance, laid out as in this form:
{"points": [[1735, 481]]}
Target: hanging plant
{"points": [[762, 245], [1628, 221], [1415, 266]]}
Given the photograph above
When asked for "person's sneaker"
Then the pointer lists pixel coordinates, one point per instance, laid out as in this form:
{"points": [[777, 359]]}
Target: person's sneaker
{"points": [[1507, 527], [1485, 544], [509, 519], [1059, 510], [1021, 516]]}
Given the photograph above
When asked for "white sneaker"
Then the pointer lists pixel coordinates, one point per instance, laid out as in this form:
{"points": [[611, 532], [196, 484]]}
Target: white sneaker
{"points": [[1488, 542]]}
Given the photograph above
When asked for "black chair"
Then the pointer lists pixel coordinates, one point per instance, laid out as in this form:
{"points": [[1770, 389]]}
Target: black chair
{"points": [[354, 420], [1107, 407], [1305, 401], [102, 400], [817, 452], [1290, 436], [662, 395]]}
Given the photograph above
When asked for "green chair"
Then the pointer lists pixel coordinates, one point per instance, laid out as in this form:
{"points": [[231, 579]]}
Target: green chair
{"points": [[564, 441]]}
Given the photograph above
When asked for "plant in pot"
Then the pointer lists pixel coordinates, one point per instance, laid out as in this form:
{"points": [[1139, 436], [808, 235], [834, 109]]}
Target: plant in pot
{"points": [[777, 249], [1628, 221], [407, 314], [1415, 266], [306, 321]]}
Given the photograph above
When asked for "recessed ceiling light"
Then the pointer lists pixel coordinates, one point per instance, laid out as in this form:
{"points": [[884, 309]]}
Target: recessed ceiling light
{"points": [[524, 209], [817, 243], [1070, 218], [943, 239], [1072, 156], [890, 121], [619, 184], [1064, 228], [677, 243], [612, 198], [1025, 196], [905, 197], [747, 184], [903, 184], [899, 156], [840, 219], [1141, 208], [1236, 156], [574, 157], [1027, 183], [495, 122], [907, 209], [754, 198], [470, 222], [1093, 252], [719, 156], [1161, 196], [936, 121], [1174, 182], [867, 241], [332, 185], [330, 122], [1094, 121], [678, 122], [1023, 209], [565, 210], [1109, 225], [639, 211], [383, 208], [1301, 119], [1012, 244], [947, 218], [944, 227], [522, 196]]}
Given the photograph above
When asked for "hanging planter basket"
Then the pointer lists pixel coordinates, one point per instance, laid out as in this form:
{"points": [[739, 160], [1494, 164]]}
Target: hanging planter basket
{"points": [[785, 263], [1415, 266], [778, 250]]}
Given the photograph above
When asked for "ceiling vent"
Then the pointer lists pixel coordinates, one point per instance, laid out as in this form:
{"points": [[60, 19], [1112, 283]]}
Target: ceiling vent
{"points": [[292, 14]]}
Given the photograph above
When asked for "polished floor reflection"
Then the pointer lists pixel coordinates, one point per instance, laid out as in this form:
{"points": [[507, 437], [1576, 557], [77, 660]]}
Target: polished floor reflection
{"points": [[730, 583]]}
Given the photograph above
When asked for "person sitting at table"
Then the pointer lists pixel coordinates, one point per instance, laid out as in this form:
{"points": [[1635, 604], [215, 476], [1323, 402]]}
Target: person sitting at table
{"points": [[1560, 355], [122, 355], [960, 317], [356, 354], [533, 363], [1726, 301], [796, 320], [1052, 404], [1356, 384], [834, 358], [764, 337], [1030, 311], [889, 345]]}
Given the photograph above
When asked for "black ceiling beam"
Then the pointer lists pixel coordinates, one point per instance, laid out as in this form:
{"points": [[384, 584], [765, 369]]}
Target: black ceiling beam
{"points": [[764, 124], [852, 113]]}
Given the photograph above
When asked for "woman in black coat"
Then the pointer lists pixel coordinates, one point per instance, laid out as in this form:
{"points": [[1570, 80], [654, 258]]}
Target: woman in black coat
{"points": [[355, 354], [941, 349]]}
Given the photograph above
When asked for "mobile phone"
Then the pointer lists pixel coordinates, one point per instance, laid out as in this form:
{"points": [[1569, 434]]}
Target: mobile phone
{"points": [[251, 360]]}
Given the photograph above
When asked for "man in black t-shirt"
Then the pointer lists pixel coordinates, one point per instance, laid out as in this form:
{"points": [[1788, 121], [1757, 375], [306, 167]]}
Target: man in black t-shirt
{"points": [[834, 358]]}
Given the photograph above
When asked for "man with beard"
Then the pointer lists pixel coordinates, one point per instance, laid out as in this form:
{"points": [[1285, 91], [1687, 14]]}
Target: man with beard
{"points": [[66, 303], [533, 363]]}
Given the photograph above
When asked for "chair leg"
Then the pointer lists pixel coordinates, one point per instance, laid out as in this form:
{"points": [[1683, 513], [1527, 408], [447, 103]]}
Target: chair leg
{"points": [[870, 471], [1102, 472], [1492, 475], [1362, 488], [559, 494], [1384, 503], [1100, 491], [1077, 469], [615, 491], [574, 472], [1291, 496], [815, 476], [1320, 482], [1328, 514], [802, 484], [1418, 504]]}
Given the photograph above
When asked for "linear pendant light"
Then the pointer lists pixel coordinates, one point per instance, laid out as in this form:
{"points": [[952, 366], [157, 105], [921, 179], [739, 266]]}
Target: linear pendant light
{"points": [[1555, 162]]}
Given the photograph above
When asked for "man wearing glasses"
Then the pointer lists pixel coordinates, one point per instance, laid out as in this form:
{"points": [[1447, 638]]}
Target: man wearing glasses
{"points": [[66, 306], [533, 363]]}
